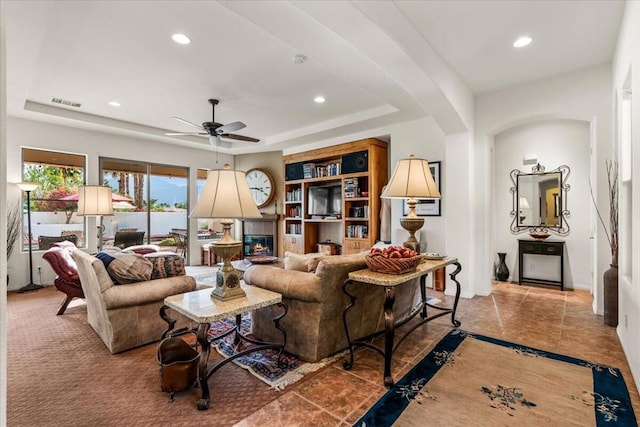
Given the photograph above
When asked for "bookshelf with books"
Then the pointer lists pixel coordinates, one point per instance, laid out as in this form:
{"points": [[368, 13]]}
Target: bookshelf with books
{"points": [[293, 216], [361, 170]]}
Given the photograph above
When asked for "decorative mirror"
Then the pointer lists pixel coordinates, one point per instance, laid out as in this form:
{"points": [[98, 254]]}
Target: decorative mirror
{"points": [[540, 200]]}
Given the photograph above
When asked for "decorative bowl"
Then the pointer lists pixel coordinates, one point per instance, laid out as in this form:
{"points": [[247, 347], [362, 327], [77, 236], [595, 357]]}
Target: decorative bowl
{"points": [[381, 264], [539, 235]]}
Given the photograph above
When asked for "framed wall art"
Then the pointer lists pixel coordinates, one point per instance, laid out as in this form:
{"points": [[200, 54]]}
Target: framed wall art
{"points": [[428, 207]]}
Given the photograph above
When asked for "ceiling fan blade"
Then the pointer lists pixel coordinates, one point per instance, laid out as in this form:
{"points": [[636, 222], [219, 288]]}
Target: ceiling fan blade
{"points": [[185, 133], [231, 127], [187, 122], [239, 137], [215, 141]]}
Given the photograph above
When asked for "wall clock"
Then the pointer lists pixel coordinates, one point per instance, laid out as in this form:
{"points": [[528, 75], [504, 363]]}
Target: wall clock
{"points": [[261, 186]]}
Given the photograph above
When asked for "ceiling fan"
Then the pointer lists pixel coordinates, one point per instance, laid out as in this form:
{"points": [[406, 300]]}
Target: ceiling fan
{"points": [[215, 131]]}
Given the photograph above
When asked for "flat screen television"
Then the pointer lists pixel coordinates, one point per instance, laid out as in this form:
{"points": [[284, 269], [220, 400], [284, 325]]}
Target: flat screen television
{"points": [[325, 200]]}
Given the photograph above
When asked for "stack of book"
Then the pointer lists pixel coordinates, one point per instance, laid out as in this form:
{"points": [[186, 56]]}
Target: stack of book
{"points": [[308, 170], [350, 187]]}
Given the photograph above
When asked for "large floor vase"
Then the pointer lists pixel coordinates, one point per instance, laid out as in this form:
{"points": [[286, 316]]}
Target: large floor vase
{"points": [[502, 271], [610, 278]]}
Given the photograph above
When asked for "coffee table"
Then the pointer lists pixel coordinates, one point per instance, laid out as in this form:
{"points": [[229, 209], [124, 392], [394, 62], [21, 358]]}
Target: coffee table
{"points": [[202, 308]]}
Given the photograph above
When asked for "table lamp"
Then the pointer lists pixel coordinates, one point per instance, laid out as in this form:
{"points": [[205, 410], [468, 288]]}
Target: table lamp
{"points": [[28, 187], [226, 196], [411, 180], [95, 200]]}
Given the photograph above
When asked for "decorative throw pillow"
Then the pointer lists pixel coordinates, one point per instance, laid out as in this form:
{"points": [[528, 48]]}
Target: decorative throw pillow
{"points": [[313, 262], [142, 249], [306, 262], [125, 268], [166, 264], [294, 261]]}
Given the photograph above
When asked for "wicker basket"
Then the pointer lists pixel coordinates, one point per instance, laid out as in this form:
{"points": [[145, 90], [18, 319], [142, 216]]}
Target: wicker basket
{"points": [[381, 264]]}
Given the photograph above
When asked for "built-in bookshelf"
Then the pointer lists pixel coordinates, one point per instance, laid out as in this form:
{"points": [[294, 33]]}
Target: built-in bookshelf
{"points": [[360, 170]]}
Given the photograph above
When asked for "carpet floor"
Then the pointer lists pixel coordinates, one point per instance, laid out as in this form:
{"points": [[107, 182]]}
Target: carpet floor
{"points": [[61, 374]]}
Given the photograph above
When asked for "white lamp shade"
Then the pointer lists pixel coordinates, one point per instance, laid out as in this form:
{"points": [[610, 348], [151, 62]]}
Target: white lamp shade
{"points": [[524, 203], [411, 179], [226, 195], [94, 200], [27, 186]]}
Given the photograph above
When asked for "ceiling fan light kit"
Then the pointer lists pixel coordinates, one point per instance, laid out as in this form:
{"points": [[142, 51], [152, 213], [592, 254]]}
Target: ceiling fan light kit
{"points": [[214, 130]]}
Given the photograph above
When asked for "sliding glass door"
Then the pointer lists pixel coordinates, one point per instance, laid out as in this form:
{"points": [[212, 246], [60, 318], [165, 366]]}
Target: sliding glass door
{"points": [[150, 197]]}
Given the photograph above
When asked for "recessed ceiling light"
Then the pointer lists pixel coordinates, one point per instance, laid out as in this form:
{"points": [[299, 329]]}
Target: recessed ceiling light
{"points": [[319, 99], [522, 41], [114, 103], [180, 38]]}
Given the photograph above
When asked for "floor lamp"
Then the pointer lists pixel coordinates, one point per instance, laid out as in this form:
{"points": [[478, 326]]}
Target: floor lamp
{"points": [[95, 200], [28, 187], [226, 195], [412, 180]]}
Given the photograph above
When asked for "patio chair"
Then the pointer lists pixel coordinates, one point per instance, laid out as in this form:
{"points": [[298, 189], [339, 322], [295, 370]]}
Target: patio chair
{"points": [[124, 239], [78, 233], [181, 243], [45, 242]]}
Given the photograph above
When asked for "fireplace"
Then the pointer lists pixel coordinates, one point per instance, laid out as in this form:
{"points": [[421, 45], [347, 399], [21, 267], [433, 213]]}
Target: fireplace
{"points": [[258, 245], [260, 236]]}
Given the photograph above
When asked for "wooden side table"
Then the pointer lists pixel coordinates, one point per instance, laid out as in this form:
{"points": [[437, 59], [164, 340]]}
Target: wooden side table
{"points": [[540, 247], [390, 281]]}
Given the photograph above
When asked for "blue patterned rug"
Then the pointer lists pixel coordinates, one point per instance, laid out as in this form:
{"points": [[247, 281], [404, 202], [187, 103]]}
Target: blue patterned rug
{"points": [[472, 380], [263, 363]]}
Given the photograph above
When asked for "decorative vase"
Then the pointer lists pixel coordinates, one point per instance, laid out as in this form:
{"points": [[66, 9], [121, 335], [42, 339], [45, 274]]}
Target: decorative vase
{"points": [[610, 278], [502, 272]]}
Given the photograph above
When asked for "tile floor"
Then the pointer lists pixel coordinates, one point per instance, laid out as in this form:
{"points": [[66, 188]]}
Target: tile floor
{"points": [[537, 316]]}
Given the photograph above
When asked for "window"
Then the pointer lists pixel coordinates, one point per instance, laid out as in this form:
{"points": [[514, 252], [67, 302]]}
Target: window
{"points": [[53, 207], [147, 197]]}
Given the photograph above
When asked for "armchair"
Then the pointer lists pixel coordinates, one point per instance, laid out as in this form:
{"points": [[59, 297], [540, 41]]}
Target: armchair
{"points": [[67, 280], [126, 316]]}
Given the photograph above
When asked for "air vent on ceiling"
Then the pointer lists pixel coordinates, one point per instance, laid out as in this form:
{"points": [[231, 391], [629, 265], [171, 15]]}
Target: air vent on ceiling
{"points": [[66, 102]]}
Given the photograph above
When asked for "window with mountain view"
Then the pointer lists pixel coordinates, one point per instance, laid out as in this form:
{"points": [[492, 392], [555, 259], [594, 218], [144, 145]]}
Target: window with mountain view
{"points": [[147, 197]]}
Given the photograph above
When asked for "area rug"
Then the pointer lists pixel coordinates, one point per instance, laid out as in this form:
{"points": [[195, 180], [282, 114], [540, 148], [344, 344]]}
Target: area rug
{"points": [[264, 363], [474, 380]]}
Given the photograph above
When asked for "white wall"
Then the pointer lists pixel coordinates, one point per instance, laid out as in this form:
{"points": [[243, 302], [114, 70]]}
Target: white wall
{"points": [[555, 142], [424, 139], [627, 63], [93, 144], [584, 95], [3, 225]]}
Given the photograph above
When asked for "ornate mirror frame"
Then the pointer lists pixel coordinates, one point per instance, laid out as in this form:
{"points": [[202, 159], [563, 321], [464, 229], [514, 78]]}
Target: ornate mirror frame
{"points": [[560, 202]]}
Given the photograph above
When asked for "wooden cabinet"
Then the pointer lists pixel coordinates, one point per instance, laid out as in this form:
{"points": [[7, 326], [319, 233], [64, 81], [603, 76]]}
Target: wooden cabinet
{"points": [[353, 246], [538, 247], [293, 243], [357, 171]]}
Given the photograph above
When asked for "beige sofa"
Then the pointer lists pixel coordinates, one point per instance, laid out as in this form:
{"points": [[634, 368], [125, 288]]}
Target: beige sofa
{"points": [[316, 302], [125, 316]]}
